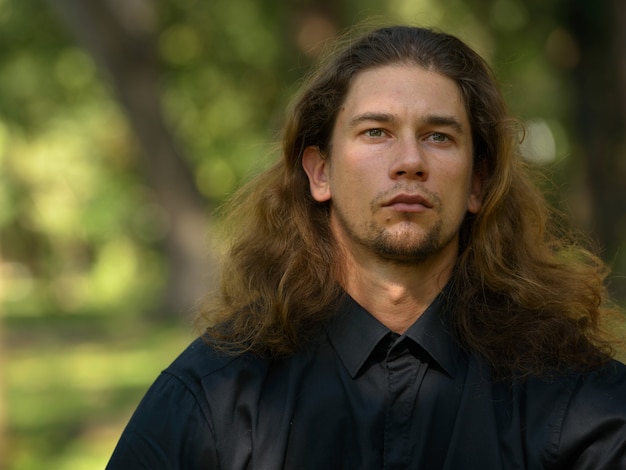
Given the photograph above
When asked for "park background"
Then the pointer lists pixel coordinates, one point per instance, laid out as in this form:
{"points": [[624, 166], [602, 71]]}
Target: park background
{"points": [[125, 123]]}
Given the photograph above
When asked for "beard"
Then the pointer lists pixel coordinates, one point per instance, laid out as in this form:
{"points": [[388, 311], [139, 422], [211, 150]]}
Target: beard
{"points": [[405, 246]]}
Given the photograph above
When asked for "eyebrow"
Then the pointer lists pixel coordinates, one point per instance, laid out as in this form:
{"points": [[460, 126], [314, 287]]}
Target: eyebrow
{"points": [[369, 116], [446, 121], [431, 119]]}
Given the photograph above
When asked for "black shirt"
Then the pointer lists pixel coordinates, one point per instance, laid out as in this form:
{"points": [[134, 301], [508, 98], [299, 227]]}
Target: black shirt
{"points": [[363, 397]]}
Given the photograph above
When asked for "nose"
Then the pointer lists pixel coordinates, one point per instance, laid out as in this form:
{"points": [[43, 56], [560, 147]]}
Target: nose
{"points": [[409, 161]]}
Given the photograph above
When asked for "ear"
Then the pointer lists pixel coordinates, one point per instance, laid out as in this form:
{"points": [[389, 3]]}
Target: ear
{"points": [[316, 168], [475, 200]]}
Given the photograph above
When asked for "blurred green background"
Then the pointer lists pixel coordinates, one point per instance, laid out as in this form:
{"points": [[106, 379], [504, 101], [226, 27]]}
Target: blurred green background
{"points": [[124, 124]]}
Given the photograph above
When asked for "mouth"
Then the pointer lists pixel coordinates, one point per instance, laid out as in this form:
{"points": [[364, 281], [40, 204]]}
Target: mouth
{"points": [[409, 203]]}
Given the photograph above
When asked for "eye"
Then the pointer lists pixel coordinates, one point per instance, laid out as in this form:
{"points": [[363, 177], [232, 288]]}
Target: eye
{"points": [[374, 133], [439, 137]]}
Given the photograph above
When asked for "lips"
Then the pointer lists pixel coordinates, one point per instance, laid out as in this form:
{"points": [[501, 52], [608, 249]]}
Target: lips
{"points": [[409, 203]]}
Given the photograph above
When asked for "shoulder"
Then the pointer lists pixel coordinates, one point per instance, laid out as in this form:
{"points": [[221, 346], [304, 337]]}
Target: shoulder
{"points": [[201, 365], [208, 373], [176, 423], [198, 360], [601, 391], [171, 427], [589, 419], [600, 395], [607, 380], [612, 374]]}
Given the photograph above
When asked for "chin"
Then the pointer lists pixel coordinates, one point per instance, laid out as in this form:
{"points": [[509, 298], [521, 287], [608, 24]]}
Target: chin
{"points": [[410, 244]]}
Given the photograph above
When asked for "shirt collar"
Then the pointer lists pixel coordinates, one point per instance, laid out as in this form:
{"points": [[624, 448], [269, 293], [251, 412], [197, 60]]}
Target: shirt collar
{"points": [[355, 333], [431, 331]]}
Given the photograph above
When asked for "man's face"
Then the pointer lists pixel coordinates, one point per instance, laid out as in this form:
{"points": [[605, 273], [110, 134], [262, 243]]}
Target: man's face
{"points": [[399, 175]]}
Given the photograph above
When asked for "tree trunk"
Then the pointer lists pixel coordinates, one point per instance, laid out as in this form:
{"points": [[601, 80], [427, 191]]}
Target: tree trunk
{"points": [[120, 37], [600, 78]]}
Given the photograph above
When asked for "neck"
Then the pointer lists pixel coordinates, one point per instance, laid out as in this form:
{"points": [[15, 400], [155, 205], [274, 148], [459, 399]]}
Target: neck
{"points": [[396, 294]]}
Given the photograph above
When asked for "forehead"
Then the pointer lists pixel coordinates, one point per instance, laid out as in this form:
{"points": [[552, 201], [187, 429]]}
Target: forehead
{"points": [[404, 88]]}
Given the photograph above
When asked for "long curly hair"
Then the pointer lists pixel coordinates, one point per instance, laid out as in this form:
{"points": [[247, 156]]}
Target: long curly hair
{"points": [[526, 297]]}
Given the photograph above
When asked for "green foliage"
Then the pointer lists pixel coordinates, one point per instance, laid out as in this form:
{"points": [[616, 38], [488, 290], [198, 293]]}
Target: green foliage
{"points": [[31, 44], [73, 199], [80, 228]]}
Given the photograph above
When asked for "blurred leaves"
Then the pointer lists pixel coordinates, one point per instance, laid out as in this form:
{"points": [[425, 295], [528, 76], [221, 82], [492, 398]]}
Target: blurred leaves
{"points": [[73, 187]]}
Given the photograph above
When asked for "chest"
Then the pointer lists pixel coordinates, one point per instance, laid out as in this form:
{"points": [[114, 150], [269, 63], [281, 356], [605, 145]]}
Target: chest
{"points": [[397, 413]]}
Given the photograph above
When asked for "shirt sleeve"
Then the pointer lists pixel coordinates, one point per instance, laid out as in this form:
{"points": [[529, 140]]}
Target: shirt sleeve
{"points": [[593, 433], [170, 429]]}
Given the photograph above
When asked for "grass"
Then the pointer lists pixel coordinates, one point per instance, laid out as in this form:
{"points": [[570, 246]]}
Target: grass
{"points": [[73, 383]]}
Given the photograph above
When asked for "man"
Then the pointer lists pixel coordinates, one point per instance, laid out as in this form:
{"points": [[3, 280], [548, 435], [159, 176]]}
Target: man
{"points": [[394, 296]]}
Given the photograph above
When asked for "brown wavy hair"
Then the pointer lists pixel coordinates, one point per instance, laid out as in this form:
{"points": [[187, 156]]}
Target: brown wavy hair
{"points": [[526, 297]]}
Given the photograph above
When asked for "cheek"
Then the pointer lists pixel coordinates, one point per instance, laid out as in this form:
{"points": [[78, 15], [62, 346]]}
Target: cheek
{"points": [[347, 183], [457, 191], [351, 196]]}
